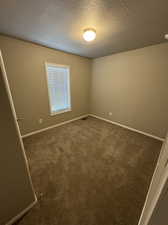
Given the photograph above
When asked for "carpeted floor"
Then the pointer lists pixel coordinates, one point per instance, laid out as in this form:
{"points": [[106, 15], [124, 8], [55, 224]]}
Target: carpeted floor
{"points": [[89, 172]]}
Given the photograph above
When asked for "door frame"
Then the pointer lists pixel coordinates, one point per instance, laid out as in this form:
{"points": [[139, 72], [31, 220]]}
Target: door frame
{"points": [[159, 189], [6, 82]]}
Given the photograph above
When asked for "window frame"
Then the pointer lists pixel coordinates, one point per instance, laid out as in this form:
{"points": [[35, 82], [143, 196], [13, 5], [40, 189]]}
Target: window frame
{"points": [[53, 113]]}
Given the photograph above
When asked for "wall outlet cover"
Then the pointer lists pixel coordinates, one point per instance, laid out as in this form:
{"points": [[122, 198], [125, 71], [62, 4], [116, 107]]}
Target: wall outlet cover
{"points": [[40, 120]]}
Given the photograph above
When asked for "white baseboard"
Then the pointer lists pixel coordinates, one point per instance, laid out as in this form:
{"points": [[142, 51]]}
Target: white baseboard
{"points": [[129, 128], [98, 117], [53, 126], [14, 219]]}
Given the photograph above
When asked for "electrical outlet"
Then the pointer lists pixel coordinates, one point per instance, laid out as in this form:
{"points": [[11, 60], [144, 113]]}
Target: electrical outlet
{"points": [[110, 113], [40, 120]]}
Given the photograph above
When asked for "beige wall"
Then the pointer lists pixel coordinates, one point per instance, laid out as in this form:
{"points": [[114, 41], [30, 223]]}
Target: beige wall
{"points": [[26, 73], [16, 191], [133, 86]]}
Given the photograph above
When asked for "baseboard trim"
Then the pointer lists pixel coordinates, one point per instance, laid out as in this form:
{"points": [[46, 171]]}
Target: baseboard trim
{"points": [[14, 219], [129, 128], [98, 117], [53, 126]]}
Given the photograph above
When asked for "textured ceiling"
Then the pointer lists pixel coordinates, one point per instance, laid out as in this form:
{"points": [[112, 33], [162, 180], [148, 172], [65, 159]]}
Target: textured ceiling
{"points": [[121, 24]]}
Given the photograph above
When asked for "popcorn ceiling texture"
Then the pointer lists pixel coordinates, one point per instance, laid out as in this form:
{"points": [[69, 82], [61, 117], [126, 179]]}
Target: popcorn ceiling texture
{"points": [[121, 25]]}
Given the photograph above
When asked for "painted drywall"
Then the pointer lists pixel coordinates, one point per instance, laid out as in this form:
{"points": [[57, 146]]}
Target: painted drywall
{"points": [[16, 191], [27, 77], [133, 86]]}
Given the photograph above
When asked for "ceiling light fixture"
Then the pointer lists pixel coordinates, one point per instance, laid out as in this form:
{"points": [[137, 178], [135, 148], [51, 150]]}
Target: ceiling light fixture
{"points": [[166, 36], [89, 34]]}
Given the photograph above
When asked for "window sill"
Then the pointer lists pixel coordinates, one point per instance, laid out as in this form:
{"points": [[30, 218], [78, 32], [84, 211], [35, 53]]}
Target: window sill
{"points": [[60, 112]]}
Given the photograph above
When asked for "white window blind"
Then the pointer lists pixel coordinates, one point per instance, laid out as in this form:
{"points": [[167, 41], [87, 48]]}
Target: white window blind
{"points": [[59, 88]]}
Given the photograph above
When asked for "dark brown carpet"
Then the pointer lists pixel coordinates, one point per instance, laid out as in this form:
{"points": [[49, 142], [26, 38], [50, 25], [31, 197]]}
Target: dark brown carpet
{"points": [[89, 172]]}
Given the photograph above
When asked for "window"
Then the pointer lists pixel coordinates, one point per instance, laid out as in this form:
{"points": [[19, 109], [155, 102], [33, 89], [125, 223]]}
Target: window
{"points": [[58, 88]]}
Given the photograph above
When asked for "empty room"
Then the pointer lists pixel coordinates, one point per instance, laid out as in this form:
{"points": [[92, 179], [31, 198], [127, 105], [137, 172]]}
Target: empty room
{"points": [[84, 112]]}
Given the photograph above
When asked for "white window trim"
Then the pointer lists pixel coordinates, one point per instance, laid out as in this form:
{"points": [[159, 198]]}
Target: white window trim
{"points": [[69, 88]]}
